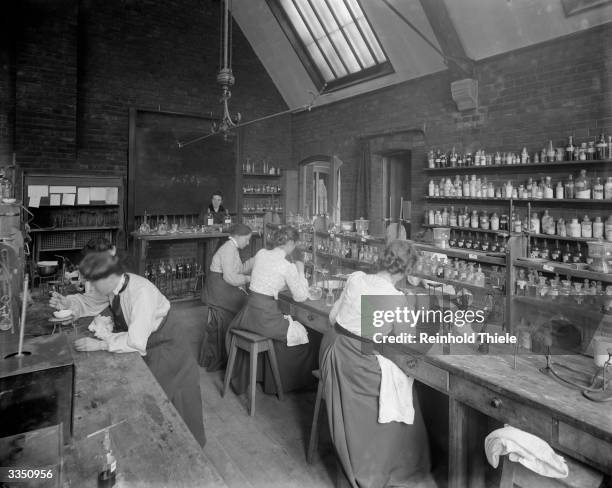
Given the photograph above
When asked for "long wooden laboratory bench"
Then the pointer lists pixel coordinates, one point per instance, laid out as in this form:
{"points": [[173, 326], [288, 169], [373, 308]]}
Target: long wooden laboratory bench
{"points": [[488, 384], [207, 242], [153, 446]]}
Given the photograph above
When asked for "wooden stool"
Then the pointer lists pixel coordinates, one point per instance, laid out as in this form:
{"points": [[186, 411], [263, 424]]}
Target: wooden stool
{"points": [[314, 429], [253, 344]]}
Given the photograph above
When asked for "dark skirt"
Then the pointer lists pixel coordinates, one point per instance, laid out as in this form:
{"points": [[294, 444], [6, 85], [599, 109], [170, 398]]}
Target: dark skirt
{"points": [[177, 371], [223, 301], [372, 455], [262, 315]]}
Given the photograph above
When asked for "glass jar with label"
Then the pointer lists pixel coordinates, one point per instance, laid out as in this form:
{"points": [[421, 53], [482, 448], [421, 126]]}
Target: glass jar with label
{"points": [[474, 220], [598, 228], [569, 187], [561, 228], [534, 225], [573, 228], [582, 186], [586, 228], [598, 189], [494, 222], [548, 224], [484, 221], [559, 191]]}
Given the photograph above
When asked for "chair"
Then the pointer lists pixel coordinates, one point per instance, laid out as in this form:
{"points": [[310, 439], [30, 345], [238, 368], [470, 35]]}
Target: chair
{"points": [[253, 344], [314, 429]]}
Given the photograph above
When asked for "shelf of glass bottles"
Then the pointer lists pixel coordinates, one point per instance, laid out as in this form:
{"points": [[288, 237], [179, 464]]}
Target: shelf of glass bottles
{"points": [[520, 201], [466, 254], [562, 288], [574, 268], [176, 279], [517, 166], [261, 206], [349, 249]]}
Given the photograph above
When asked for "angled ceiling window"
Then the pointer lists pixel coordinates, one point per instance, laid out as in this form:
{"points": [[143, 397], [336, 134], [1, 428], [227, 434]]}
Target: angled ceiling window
{"points": [[333, 39]]}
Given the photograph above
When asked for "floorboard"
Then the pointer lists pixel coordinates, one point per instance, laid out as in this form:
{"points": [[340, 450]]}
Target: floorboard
{"points": [[268, 450]]}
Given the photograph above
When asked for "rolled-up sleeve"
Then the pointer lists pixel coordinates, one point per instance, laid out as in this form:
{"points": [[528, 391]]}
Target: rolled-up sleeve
{"points": [[141, 324], [297, 283], [232, 267]]}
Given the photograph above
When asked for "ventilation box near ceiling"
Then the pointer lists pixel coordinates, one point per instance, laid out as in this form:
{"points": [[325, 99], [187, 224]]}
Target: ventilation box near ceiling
{"points": [[465, 93]]}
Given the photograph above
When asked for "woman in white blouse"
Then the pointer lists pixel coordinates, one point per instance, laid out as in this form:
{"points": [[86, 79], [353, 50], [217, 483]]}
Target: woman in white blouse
{"points": [[140, 316], [225, 294], [372, 454], [273, 272]]}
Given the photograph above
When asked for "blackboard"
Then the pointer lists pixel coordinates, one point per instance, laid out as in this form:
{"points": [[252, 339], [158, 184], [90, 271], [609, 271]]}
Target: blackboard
{"points": [[168, 180]]}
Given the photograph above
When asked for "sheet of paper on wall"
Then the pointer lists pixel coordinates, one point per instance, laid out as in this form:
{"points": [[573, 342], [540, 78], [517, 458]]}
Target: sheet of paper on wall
{"points": [[83, 196], [112, 195], [97, 194], [34, 201], [54, 199], [38, 191], [68, 199], [62, 189]]}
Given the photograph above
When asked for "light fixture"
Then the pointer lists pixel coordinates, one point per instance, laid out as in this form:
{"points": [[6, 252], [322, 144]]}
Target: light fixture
{"points": [[226, 79], [225, 76]]}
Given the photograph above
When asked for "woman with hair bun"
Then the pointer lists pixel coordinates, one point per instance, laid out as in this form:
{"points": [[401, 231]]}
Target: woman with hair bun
{"points": [[372, 454], [224, 293], [140, 324], [272, 272]]}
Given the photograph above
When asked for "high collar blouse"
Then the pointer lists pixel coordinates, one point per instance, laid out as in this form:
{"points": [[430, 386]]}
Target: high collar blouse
{"points": [[272, 273]]}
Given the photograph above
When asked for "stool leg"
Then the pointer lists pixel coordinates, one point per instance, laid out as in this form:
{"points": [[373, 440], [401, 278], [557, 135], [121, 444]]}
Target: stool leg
{"points": [[253, 378], [314, 429], [230, 365], [507, 477], [275, 371]]}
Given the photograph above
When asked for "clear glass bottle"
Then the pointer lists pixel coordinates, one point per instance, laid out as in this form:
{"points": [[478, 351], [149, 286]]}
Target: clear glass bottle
{"points": [[569, 187], [569, 149], [534, 225], [559, 191], [598, 228], [608, 189], [598, 189], [586, 228], [494, 222], [548, 224], [582, 186]]}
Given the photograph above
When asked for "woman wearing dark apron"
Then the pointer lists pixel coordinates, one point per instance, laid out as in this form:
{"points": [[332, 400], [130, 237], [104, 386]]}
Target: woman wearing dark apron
{"points": [[224, 293], [271, 273], [372, 454], [140, 313]]}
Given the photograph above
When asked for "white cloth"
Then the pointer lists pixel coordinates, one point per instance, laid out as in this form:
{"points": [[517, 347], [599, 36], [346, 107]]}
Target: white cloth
{"points": [[527, 449], [347, 309], [143, 306], [395, 396], [102, 327], [296, 332], [272, 273]]}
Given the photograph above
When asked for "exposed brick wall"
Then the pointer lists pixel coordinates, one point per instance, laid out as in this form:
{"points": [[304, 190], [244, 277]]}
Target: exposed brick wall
{"points": [[81, 64], [526, 97]]}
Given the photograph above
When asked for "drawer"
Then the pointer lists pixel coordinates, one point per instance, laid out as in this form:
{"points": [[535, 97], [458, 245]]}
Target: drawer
{"points": [[502, 408], [423, 371], [311, 319], [584, 446]]}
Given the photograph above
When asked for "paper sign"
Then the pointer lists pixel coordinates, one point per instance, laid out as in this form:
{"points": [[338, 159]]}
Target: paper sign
{"points": [[83, 196], [54, 199], [35, 201], [62, 189], [112, 196], [38, 191], [68, 199], [97, 194], [548, 267], [473, 256]]}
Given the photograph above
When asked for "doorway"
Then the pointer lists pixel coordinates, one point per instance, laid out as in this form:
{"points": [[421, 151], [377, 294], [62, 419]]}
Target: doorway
{"points": [[396, 186]]}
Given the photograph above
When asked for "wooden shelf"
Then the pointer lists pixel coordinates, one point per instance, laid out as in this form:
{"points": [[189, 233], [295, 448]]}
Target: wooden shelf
{"points": [[260, 175], [356, 262], [469, 255], [353, 237], [518, 167], [261, 194], [262, 213], [459, 284], [519, 201], [561, 305], [503, 233], [557, 268], [72, 229], [559, 238]]}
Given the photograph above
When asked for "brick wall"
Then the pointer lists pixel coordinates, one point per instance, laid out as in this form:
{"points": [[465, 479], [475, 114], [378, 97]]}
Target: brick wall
{"points": [[526, 98], [80, 64]]}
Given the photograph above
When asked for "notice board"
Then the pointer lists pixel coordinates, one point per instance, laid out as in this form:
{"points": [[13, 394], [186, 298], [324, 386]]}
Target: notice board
{"points": [[167, 180]]}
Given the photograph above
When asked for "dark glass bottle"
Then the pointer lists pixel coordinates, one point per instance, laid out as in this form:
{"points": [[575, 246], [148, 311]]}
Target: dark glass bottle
{"points": [[555, 254], [567, 254]]}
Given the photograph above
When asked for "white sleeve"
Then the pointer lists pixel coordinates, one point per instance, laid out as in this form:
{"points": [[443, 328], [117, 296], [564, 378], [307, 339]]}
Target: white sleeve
{"points": [[141, 325], [297, 283], [87, 304]]}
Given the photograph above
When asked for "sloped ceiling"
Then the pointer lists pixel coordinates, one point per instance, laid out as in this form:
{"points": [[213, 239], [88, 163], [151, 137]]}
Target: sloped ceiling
{"points": [[485, 27]]}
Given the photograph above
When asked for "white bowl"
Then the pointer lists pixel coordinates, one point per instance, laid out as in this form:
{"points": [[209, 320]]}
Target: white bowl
{"points": [[62, 314], [9, 200]]}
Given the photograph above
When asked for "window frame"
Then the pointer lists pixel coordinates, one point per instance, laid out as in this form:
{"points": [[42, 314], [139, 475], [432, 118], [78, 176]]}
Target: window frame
{"points": [[376, 71]]}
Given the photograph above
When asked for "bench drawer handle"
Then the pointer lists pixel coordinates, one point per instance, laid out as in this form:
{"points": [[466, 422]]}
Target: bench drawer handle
{"points": [[496, 403]]}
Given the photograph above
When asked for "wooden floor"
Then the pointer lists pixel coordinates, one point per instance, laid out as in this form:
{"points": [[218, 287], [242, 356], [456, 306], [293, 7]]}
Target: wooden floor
{"points": [[268, 450]]}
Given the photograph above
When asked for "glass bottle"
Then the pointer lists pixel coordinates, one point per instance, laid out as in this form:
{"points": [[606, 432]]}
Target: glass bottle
{"points": [[582, 186], [445, 217], [484, 221], [474, 220], [548, 189], [548, 224], [466, 187], [534, 226], [569, 187], [452, 218], [598, 228], [608, 229], [561, 228], [569, 149], [545, 251], [573, 228], [494, 222], [461, 241], [555, 253], [577, 256], [517, 226], [586, 228], [566, 257], [608, 189], [431, 188], [598, 190], [601, 147]]}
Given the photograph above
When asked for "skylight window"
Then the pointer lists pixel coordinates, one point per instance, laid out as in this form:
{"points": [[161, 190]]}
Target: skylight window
{"points": [[333, 39]]}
